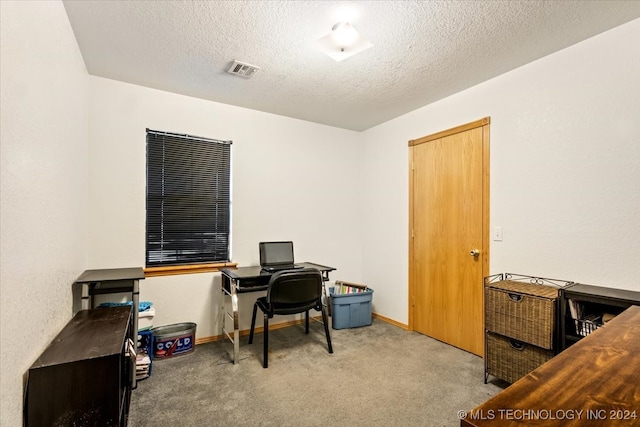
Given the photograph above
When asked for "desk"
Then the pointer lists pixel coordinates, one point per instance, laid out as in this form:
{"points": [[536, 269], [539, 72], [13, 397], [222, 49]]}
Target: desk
{"points": [[599, 375], [248, 279], [113, 281]]}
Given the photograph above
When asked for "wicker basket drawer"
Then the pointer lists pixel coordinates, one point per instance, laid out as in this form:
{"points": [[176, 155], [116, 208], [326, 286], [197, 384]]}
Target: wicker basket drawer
{"points": [[510, 360], [522, 311]]}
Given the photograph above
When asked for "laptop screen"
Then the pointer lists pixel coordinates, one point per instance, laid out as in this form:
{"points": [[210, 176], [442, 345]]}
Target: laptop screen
{"points": [[276, 253]]}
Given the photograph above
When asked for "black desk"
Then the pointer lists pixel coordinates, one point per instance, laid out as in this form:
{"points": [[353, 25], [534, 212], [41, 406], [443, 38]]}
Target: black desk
{"points": [[248, 279]]}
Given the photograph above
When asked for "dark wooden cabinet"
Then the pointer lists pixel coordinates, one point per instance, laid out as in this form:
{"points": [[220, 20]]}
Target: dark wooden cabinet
{"points": [[586, 308], [84, 377]]}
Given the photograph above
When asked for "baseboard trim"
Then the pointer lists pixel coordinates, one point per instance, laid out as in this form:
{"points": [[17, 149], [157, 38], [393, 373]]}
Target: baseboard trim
{"points": [[391, 321], [273, 327], [259, 329]]}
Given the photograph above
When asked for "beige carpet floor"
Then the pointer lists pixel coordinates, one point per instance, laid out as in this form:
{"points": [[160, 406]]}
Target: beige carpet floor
{"points": [[379, 375]]}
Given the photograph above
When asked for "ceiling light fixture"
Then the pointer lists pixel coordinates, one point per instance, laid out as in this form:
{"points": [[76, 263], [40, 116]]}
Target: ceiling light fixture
{"points": [[342, 42]]}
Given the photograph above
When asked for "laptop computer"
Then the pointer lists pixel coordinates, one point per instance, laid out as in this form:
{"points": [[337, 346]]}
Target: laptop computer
{"points": [[276, 256]]}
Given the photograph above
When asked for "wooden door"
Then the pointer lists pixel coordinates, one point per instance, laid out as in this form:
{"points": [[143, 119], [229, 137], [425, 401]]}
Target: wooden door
{"points": [[449, 242]]}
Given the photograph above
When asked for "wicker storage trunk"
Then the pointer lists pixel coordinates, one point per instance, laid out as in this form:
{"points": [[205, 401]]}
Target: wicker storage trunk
{"points": [[521, 327]]}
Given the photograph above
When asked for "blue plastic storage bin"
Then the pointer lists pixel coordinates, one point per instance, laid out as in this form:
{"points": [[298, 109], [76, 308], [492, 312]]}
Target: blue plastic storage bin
{"points": [[351, 310]]}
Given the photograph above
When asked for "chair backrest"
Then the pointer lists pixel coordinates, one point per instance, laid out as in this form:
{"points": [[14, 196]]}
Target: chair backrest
{"points": [[301, 288]]}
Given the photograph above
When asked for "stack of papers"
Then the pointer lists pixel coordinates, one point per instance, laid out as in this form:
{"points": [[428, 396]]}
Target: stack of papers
{"points": [[143, 364]]}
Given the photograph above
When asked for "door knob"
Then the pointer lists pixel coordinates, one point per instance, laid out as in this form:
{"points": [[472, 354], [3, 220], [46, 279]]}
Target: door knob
{"points": [[474, 253]]}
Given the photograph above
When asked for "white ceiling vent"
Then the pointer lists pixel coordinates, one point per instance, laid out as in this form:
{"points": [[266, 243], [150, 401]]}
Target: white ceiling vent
{"points": [[242, 69]]}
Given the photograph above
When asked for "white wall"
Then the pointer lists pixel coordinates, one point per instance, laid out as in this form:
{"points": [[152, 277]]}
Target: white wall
{"points": [[43, 197], [291, 180], [565, 170]]}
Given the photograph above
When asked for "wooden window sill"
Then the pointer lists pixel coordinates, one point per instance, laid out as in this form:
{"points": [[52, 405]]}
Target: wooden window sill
{"points": [[186, 269]]}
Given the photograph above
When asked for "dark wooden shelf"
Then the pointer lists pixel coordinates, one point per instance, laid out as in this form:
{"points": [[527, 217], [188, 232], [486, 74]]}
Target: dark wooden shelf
{"points": [[595, 299], [84, 376]]}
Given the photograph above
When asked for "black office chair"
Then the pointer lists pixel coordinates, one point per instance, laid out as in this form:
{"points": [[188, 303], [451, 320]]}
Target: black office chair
{"points": [[291, 292]]}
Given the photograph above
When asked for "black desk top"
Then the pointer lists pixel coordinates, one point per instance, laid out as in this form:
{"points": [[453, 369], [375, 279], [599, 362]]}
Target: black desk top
{"points": [[253, 278], [111, 274], [632, 297], [79, 339], [255, 271]]}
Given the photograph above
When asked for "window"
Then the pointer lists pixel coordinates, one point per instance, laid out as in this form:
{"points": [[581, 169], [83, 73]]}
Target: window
{"points": [[188, 199]]}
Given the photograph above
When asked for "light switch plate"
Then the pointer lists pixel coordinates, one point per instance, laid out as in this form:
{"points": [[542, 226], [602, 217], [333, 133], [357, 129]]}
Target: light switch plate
{"points": [[497, 234]]}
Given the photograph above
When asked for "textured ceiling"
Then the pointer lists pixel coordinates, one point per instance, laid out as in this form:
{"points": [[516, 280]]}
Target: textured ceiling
{"points": [[423, 50]]}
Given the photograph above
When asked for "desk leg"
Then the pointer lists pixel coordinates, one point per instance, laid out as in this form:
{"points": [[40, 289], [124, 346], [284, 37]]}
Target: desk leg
{"points": [[236, 325], [85, 296], [221, 311], [135, 298], [325, 278], [233, 315]]}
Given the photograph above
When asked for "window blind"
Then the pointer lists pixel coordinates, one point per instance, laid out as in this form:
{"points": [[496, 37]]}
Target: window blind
{"points": [[188, 199]]}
